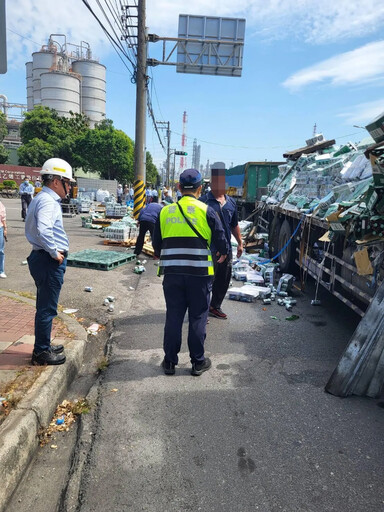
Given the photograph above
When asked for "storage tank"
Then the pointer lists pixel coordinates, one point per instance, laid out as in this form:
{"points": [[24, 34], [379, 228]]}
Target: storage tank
{"points": [[92, 89], [60, 91], [42, 63], [28, 70]]}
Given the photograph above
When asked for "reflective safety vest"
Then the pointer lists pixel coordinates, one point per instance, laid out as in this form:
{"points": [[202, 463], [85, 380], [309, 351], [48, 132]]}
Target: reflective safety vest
{"points": [[183, 251]]}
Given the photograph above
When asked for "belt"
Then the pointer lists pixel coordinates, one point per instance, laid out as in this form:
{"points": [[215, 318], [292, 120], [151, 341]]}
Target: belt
{"points": [[64, 253]]}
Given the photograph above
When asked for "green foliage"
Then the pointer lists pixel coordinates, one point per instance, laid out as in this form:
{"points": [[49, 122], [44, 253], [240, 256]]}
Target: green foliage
{"points": [[105, 150], [35, 152], [3, 127], [4, 155], [39, 123], [151, 174], [108, 151], [10, 184]]}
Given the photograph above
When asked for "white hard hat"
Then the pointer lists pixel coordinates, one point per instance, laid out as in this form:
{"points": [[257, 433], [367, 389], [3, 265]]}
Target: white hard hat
{"points": [[57, 167]]}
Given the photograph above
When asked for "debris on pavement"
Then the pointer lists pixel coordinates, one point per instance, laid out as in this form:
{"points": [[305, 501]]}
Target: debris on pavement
{"points": [[93, 329], [64, 417], [88, 289], [292, 317], [70, 311]]}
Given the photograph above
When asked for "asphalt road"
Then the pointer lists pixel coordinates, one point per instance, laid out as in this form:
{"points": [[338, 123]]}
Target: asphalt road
{"points": [[256, 432]]}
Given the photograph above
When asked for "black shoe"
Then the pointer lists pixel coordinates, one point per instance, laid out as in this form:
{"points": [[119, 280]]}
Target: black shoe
{"points": [[168, 367], [199, 368], [47, 357], [57, 349]]}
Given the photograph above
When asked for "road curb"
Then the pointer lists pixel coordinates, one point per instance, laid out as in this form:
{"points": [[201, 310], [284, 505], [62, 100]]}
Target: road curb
{"points": [[19, 432]]}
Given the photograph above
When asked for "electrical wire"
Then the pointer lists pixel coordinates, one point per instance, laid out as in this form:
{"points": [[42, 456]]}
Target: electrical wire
{"points": [[23, 37], [114, 44]]}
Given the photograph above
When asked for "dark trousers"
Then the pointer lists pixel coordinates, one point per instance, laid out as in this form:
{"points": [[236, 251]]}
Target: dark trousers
{"points": [[184, 293], [223, 272], [25, 202], [49, 277], [144, 227]]}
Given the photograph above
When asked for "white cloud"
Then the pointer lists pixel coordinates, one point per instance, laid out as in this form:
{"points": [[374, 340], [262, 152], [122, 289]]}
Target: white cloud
{"points": [[363, 112], [306, 20], [364, 64]]}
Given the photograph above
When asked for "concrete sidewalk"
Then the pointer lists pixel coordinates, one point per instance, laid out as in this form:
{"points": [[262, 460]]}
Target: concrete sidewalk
{"points": [[34, 392]]}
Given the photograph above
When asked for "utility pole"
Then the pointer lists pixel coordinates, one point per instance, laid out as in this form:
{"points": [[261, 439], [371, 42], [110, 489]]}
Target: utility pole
{"points": [[3, 39], [141, 105], [168, 152], [167, 124]]}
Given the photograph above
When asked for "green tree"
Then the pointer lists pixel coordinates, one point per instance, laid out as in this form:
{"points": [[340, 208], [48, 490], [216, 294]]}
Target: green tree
{"points": [[39, 123], [107, 151], [3, 127], [151, 174], [45, 132], [4, 155], [35, 152]]}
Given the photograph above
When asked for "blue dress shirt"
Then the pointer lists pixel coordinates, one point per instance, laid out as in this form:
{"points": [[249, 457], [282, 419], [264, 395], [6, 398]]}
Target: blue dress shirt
{"points": [[26, 188], [44, 223]]}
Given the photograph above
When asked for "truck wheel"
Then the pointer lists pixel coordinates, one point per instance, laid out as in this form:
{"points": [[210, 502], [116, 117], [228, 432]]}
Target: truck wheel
{"points": [[287, 257], [273, 242]]}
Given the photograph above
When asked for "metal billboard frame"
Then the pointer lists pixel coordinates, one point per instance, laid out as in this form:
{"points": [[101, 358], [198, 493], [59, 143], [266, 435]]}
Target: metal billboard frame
{"points": [[210, 45]]}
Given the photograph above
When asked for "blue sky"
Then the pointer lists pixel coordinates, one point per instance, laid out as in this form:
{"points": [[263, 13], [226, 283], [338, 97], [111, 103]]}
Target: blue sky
{"points": [[305, 62]]}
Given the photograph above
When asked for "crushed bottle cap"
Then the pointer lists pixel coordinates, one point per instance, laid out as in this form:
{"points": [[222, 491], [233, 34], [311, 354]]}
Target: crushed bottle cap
{"points": [[88, 289]]}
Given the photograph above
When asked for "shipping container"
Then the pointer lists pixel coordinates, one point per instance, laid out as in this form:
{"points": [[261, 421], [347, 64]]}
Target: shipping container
{"points": [[248, 182]]}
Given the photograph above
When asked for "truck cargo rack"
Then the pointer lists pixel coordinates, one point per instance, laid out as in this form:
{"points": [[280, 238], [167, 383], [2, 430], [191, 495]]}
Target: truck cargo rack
{"points": [[317, 271]]}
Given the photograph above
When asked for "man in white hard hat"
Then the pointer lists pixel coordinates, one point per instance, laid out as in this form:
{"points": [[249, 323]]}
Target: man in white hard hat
{"points": [[48, 259]]}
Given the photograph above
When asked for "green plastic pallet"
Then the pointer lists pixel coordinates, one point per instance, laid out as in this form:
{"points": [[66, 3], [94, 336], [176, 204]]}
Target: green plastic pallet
{"points": [[99, 260]]}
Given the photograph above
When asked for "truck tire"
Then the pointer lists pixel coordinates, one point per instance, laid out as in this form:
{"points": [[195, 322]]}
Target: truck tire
{"points": [[274, 231], [287, 257]]}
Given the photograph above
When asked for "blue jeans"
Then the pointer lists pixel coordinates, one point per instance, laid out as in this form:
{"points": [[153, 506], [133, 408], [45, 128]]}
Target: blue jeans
{"points": [[49, 277], [2, 243], [184, 293]]}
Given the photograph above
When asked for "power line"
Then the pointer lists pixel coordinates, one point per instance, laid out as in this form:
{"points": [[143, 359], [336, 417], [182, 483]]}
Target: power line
{"points": [[114, 44]]}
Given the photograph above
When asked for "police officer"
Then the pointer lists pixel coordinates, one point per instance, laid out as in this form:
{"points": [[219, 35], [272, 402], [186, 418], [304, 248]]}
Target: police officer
{"points": [[182, 238], [48, 259]]}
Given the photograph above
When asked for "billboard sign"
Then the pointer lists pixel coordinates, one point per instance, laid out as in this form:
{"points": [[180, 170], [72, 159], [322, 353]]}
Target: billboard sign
{"points": [[210, 45]]}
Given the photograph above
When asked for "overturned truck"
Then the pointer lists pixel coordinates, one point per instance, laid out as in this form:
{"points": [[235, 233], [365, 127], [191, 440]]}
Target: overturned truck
{"points": [[324, 212]]}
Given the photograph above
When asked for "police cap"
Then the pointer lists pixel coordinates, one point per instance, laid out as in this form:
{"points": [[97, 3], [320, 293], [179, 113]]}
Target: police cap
{"points": [[190, 179]]}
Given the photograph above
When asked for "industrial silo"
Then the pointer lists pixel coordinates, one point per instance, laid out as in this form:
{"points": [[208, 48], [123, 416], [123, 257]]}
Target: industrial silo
{"points": [[61, 91], [28, 70], [92, 89], [43, 62]]}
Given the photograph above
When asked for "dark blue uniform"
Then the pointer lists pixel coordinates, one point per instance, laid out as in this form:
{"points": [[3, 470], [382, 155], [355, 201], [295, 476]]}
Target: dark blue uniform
{"points": [[185, 286], [223, 271]]}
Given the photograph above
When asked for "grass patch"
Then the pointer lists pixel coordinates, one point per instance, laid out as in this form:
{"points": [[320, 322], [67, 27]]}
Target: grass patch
{"points": [[27, 295], [103, 364], [15, 390]]}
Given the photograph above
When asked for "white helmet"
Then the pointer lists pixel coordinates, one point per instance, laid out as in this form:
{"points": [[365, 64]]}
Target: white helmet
{"points": [[57, 167]]}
